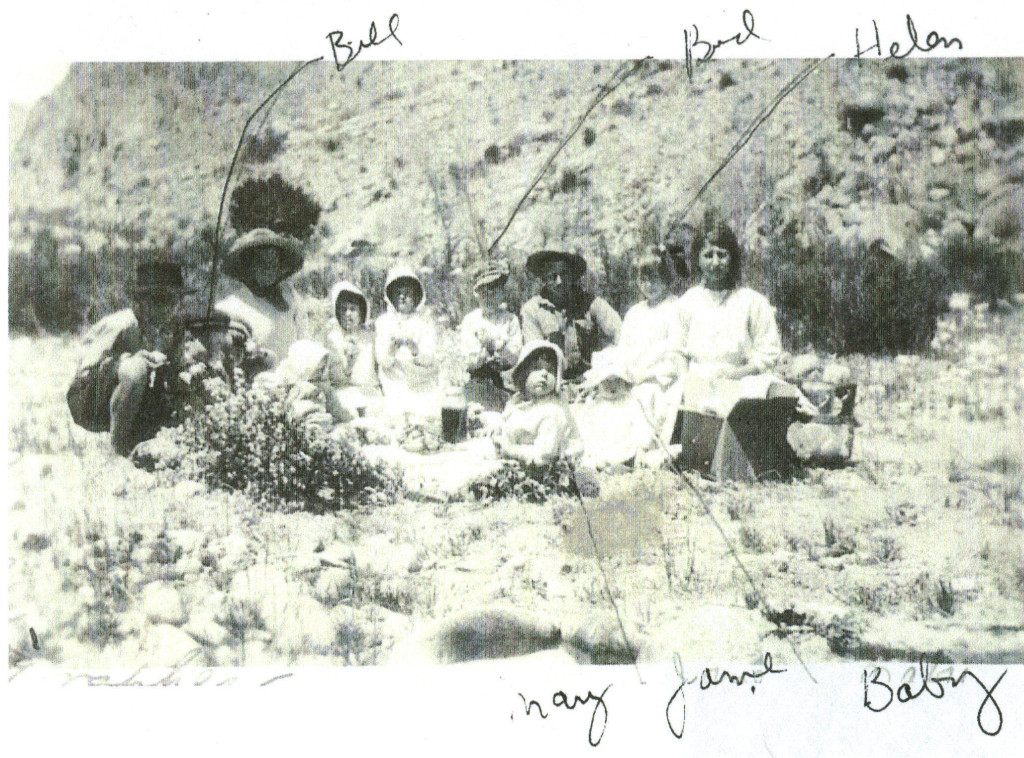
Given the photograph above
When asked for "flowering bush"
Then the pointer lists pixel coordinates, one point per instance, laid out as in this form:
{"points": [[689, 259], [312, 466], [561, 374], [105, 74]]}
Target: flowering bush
{"points": [[252, 441]]}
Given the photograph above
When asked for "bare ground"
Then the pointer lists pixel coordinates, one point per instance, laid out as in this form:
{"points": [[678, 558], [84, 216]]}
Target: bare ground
{"points": [[915, 548]]}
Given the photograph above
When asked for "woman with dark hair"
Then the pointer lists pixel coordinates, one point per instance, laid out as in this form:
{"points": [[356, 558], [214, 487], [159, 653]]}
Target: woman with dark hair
{"points": [[727, 331]]}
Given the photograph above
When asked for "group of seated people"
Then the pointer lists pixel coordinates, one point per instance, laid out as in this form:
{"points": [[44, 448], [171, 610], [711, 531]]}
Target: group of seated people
{"points": [[625, 377]]}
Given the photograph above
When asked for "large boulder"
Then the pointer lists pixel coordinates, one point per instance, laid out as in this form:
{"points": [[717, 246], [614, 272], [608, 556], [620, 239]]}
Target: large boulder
{"points": [[888, 227], [866, 107], [1001, 218], [482, 634]]}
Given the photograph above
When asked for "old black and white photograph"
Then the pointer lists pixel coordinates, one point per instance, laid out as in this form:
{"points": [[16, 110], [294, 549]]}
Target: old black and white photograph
{"points": [[361, 362]]}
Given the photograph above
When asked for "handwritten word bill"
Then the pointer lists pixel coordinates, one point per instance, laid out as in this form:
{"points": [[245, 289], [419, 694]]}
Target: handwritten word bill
{"points": [[351, 48]]}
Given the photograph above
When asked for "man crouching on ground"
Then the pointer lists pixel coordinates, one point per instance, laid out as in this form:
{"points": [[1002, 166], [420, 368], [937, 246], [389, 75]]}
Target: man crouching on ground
{"points": [[125, 382]]}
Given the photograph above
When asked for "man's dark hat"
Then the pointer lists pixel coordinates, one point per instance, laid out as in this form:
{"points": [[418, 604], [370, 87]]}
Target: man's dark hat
{"points": [[153, 275], [536, 262], [192, 313]]}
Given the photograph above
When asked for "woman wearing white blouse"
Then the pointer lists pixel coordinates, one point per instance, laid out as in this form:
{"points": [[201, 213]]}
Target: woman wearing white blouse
{"points": [[728, 332]]}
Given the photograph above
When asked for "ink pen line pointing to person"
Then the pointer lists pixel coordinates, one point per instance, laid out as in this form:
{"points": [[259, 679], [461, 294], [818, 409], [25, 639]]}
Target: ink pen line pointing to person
{"points": [[725, 538], [231, 169]]}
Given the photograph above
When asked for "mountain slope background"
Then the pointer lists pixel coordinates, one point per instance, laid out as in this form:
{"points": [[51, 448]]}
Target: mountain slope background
{"points": [[912, 159]]}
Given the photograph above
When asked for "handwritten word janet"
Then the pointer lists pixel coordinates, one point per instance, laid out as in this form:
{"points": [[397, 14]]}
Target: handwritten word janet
{"points": [[351, 50], [931, 41], [175, 676], [561, 700], [693, 42], [675, 710], [879, 692]]}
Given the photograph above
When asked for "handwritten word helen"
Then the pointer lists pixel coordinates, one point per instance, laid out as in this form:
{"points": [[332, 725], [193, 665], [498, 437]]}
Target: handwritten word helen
{"points": [[931, 41], [879, 693], [352, 49], [675, 710], [561, 700], [707, 49]]}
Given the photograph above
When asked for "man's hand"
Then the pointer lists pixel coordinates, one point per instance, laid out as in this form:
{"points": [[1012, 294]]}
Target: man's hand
{"points": [[133, 367], [193, 352]]}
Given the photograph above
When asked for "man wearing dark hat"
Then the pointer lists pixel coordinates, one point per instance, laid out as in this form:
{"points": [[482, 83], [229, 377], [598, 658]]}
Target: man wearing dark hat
{"points": [[564, 313], [128, 380]]}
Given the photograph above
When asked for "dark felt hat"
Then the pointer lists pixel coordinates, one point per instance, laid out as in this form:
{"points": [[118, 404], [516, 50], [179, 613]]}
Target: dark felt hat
{"points": [[158, 275], [538, 260], [238, 260]]}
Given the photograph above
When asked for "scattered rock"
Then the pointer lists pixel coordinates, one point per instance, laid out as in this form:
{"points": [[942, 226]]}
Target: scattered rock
{"points": [[706, 633], [378, 555], [946, 137], [162, 604], [889, 227], [880, 147], [598, 640], [185, 492], [207, 631], [478, 635], [302, 626], [1001, 219], [190, 540], [261, 586], [167, 645], [333, 584]]}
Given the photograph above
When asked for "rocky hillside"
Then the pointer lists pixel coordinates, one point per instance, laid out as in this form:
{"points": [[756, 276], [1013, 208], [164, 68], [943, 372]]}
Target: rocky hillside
{"points": [[908, 157]]}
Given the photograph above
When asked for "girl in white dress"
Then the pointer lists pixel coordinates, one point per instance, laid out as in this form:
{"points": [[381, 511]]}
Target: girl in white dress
{"points": [[405, 347]]}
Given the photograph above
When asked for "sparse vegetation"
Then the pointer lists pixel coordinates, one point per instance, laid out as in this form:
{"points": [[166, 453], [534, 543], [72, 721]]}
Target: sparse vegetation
{"points": [[854, 300], [247, 441], [264, 146], [291, 575]]}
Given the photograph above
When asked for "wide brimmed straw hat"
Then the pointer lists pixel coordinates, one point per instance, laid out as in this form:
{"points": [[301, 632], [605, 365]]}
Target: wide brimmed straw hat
{"points": [[536, 262], [530, 349], [238, 261], [494, 272]]}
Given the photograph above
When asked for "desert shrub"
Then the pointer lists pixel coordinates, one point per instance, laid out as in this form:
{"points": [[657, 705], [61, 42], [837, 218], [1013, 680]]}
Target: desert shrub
{"points": [[47, 291], [273, 204], [853, 300], [245, 441], [21, 314], [530, 484], [260, 148], [618, 283], [988, 270]]}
